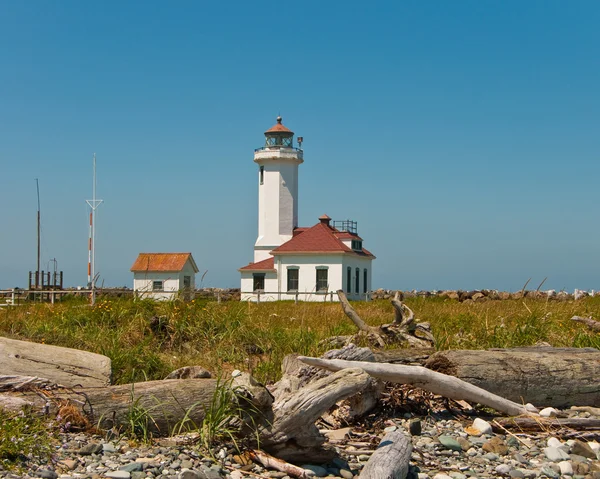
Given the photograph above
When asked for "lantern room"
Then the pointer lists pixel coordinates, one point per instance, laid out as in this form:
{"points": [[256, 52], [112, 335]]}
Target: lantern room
{"points": [[279, 136]]}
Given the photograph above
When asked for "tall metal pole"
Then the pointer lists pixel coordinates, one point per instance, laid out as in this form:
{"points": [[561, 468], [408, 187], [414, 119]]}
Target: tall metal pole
{"points": [[37, 274], [93, 203]]}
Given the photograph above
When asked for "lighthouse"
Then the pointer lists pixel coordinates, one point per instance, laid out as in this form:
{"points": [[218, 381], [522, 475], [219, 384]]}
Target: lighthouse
{"points": [[278, 162], [292, 262]]}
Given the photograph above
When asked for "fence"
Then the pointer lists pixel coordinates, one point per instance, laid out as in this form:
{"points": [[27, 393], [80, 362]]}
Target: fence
{"points": [[320, 296]]}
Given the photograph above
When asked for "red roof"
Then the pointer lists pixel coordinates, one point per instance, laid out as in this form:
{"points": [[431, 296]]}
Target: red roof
{"points": [[348, 236], [279, 128], [264, 265], [321, 238], [162, 262]]}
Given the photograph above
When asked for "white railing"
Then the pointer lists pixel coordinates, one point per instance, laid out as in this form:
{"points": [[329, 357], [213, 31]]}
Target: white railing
{"points": [[315, 296]]}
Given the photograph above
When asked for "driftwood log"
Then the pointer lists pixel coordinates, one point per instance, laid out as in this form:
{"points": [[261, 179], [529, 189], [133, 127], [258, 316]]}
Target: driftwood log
{"points": [[544, 376], [545, 424], [435, 382], [297, 375], [286, 428], [166, 402], [391, 458], [292, 434], [405, 329], [589, 322], [65, 366]]}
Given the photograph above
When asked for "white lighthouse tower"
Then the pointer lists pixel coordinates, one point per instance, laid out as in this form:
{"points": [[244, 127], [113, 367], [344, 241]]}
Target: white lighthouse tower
{"points": [[278, 164]]}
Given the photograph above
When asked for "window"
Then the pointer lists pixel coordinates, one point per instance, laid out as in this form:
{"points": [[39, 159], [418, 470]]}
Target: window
{"points": [[322, 285], [258, 282], [357, 245], [357, 281], [292, 278], [262, 175], [187, 282], [365, 275], [349, 280], [157, 285]]}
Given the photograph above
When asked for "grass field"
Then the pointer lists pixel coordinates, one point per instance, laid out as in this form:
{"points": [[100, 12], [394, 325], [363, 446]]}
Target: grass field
{"points": [[255, 337]]}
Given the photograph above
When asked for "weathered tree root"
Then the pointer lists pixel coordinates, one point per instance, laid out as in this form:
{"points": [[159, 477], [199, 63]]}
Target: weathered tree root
{"points": [[405, 329]]}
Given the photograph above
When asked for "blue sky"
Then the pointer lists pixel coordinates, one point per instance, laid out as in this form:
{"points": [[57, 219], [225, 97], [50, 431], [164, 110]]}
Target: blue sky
{"points": [[463, 137]]}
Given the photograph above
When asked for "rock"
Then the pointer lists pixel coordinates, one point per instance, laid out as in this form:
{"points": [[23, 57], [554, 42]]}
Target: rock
{"points": [[108, 448], [346, 474], [338, 434], [450, 443], [553, 442], [548, 412], [583, 449], [495, 445], [472, 431], [209, 473], [70, 464], [551, 473], [46, 474], [566, 469], [516, 474], [133, 466], [118, 474], [503, 469], [466, 445], [91, 448], [188, 475], [555, 454], [414, 426], [484, 426], [317, 471]]}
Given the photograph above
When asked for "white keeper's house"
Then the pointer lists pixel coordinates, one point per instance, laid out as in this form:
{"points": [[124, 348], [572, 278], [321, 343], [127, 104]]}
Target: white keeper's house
{"points": [[291, 262], [164, 276]]}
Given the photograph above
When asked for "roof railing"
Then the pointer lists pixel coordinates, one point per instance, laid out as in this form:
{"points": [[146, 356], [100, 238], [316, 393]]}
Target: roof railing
{"points": [[346, 225], [277, 147]]}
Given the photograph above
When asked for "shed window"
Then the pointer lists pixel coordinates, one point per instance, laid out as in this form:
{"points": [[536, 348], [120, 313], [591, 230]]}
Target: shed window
{"points": [[365, 276], [258, 282], [322, 284], [157, 285], [187, 281], [292, 278], [357, 281]]}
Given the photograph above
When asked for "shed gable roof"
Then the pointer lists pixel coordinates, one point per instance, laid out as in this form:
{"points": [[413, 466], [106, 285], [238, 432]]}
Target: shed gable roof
{"points": [[162, 262]]}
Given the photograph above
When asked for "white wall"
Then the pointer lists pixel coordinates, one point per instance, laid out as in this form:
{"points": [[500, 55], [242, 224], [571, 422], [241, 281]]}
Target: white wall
{"points": [[276, 284], [172, 282], [277, 198]]}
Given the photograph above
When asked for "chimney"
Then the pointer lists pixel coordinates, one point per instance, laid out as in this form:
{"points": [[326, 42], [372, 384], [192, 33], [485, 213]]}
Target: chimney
{"points": [[325, 220]]}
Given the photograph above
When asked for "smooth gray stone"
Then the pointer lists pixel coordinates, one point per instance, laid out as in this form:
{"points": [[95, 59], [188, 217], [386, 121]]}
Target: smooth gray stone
{"points": [[450, 443], [91, 448], [132, 466]]}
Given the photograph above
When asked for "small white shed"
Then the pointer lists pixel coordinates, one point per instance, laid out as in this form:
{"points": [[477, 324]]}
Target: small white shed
{"points": [[163, 276]]}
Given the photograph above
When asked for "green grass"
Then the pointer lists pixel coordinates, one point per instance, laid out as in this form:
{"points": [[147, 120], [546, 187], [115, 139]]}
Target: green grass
{"points": [[23, 436], [255, 337]]}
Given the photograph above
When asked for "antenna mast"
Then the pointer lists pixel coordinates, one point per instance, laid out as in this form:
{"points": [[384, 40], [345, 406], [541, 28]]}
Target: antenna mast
{"points": [[93, 204], [37, 273]]}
